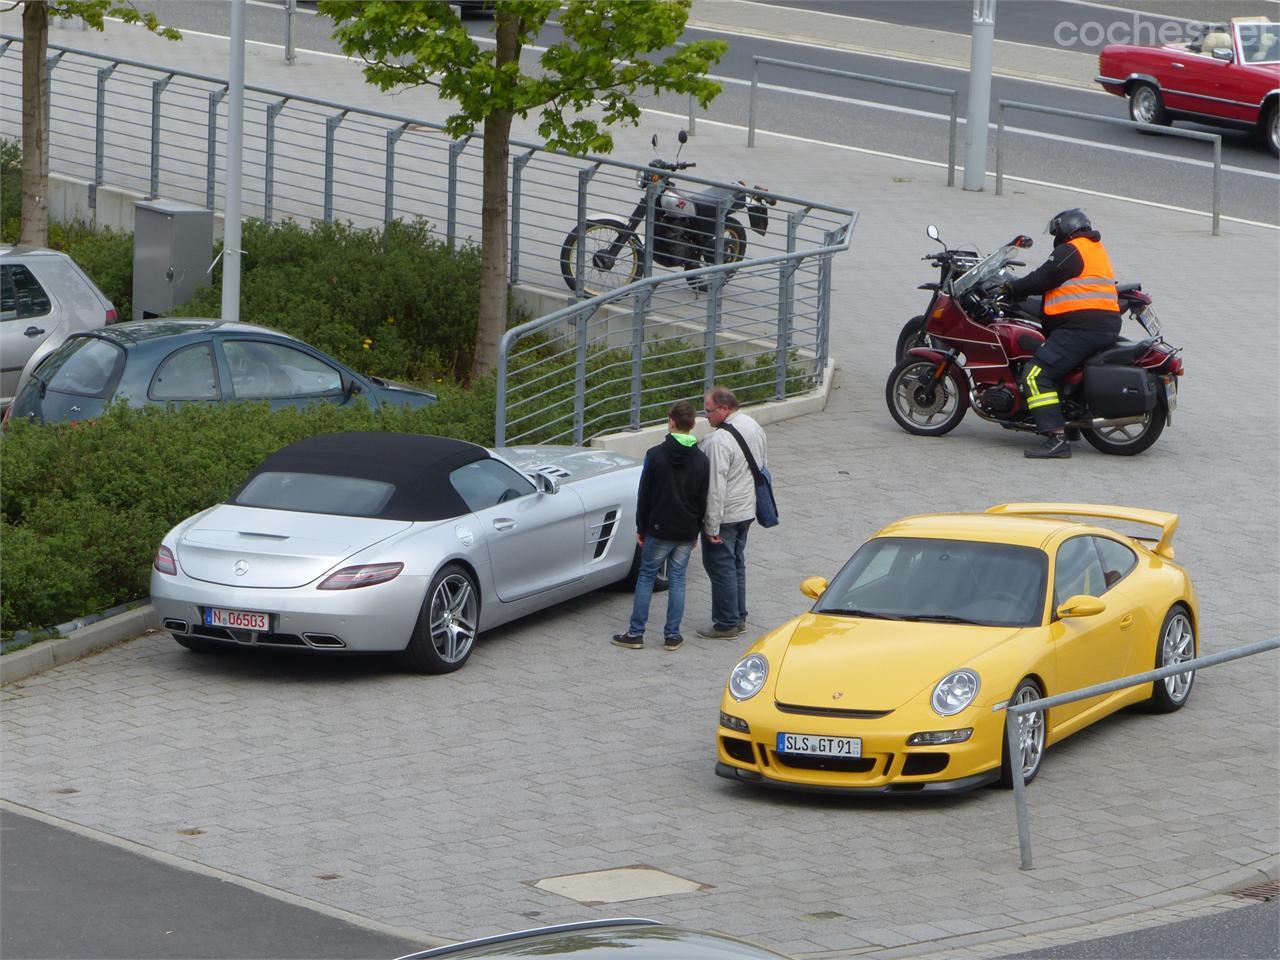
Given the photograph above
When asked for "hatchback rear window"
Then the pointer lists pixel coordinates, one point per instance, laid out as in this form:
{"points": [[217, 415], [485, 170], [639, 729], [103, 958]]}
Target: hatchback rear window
{"points": [[316, 493], [84, 366]]}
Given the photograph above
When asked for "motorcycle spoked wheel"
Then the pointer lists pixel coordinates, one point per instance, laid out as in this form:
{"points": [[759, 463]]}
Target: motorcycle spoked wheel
{"points": [[912, 336], [920, 406], [598, 236], [1133, 438], [735, 249]]}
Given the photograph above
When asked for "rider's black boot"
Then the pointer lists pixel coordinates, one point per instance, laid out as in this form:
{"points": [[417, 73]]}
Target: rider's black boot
{"points": [[1055, 447]]}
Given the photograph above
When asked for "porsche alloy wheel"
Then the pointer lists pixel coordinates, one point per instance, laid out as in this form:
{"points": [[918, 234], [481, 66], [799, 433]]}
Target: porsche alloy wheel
{"points": [[447, 626], [1177, 644], [1029, 750]]}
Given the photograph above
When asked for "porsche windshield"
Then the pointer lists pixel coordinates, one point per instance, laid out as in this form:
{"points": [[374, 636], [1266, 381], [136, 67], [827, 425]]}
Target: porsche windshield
{"points": [[316, 493], [947, 581], [985, 269]]}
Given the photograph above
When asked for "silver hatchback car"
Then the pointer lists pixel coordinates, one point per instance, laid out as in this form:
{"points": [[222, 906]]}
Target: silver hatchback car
{"points": [[44, 297]]}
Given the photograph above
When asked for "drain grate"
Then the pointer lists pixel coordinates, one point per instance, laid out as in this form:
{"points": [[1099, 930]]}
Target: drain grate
{"points": [[1263, 891]]}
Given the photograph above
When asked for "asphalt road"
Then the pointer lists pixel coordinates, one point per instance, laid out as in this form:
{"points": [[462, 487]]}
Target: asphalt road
{"points": [[1081, 153], [117, 903]]}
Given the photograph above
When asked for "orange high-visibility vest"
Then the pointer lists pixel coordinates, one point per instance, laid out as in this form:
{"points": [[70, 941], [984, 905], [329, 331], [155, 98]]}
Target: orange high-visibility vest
{"points": [[1094, 289]]}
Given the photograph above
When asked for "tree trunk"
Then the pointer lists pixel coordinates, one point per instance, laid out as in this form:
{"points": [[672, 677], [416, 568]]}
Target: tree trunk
{"points": [[493, 212], [35, 151]]}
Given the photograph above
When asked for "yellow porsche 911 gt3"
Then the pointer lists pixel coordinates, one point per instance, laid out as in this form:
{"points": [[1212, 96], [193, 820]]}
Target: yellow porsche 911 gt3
{"points": [[896, 681]]}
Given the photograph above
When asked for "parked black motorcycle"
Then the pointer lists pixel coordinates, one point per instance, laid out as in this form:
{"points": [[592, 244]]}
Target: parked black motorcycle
{"points": [[612, 254]]}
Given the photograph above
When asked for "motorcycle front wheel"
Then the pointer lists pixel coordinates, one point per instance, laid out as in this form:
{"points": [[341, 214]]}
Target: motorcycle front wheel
{"points": [[735, 249], [598, 276], [912, 336], [920, 406], [1132, 438]]}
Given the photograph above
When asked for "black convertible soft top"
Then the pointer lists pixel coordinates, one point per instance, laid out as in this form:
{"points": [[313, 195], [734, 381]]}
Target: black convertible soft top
{"points": [[417, 465]]}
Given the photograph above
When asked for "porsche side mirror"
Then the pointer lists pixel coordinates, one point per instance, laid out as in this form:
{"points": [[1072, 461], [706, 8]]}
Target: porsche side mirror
{"points": [[546, 483], [1081, 605], [814, 587]]}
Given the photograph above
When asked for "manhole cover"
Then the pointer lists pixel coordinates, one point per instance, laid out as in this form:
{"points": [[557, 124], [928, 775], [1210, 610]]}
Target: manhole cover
{"points": [[617, 885]]}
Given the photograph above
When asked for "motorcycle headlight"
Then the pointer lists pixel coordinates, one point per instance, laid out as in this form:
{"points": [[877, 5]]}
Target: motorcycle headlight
{"points": [[954, 692], [748, 677]]}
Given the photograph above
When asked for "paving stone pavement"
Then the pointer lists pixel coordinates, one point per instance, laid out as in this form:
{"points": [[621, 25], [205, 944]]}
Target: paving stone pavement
{"points": [[436, 802]]}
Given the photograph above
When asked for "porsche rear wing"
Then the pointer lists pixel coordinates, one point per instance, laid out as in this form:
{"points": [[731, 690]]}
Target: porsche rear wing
{"points": [[1167, 522]]}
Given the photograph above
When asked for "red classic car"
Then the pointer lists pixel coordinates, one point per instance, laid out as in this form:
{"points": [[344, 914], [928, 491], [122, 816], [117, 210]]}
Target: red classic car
{"points": [[1229, 76]]}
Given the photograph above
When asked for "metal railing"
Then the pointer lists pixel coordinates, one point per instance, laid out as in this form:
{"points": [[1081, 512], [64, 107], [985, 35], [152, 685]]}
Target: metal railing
{"points": [[1014, 712], [143, 129], [1212, 138], [954, 95]]}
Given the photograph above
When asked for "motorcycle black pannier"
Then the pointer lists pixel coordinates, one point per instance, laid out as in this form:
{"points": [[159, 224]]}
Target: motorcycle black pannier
{"points": [[1118, 391]]}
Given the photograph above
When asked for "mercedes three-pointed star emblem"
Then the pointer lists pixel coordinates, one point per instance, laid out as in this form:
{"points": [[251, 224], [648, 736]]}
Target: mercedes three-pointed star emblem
{"points": [[241, 568]]}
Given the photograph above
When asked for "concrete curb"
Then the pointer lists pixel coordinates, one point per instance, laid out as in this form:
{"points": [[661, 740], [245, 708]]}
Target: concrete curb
{"points": [[47, 654], [634, 443]]}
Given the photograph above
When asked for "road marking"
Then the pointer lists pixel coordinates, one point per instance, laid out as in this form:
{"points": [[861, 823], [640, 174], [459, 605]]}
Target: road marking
{"points": [[990, 173]]}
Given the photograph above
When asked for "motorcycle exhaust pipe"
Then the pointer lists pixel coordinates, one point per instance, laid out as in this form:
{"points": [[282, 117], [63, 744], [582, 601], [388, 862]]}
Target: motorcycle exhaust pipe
{"points": [[1100, 422]]}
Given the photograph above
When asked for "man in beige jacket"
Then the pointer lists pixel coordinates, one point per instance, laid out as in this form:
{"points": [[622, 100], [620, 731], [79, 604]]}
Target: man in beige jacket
{"points": [[731, 506]]}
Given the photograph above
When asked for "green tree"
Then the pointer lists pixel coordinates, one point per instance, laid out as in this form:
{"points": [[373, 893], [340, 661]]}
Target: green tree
{"points": [[35, 49], [598, 65]]}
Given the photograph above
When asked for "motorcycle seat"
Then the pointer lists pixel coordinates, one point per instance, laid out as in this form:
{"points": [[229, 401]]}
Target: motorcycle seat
{"points": [[711, 196], [1124, 351]]}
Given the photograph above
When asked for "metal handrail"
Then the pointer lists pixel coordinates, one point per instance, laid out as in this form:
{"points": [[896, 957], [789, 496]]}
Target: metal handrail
{"points": [[1213, 138], [869, 78], [1014, 711]]}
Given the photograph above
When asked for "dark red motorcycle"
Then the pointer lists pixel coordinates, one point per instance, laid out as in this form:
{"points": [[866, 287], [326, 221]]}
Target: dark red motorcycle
{"points": [[1120, 399]]}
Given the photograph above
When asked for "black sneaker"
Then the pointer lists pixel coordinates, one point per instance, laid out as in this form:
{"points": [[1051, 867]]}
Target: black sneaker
{"points": [[672, 643], [1055, 447], [628, 640]]}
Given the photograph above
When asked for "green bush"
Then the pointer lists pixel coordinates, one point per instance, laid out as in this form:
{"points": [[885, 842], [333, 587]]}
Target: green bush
{"points": [[85, 505]]}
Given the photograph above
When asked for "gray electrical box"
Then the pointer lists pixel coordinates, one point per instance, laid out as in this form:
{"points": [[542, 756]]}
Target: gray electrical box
{"points": [[172, 250]]}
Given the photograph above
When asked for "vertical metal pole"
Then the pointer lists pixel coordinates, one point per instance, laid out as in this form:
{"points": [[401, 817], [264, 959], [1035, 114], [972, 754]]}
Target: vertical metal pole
{"points": [[640, 306], [500, 414], [517, 168], [269, 172], [580, 375], [709, 345], [1000, 149], [157, 88], [235, 167], [580, 253], [975, 135], [50, 62], [693, 120], [953, 131], [1217, 180], [389, 174], [751, 108], [211, 147], [650, 212], [99, 132], [290, 8], [455, 151], [331, 125], [829, 239], [786, 299], [1013, 736]]}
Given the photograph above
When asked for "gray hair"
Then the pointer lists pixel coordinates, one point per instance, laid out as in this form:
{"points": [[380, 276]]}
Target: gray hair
{"points": [[723, 397]]}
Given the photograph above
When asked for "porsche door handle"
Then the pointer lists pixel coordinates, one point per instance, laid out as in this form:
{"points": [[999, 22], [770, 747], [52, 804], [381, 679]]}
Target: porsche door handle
{"points": [[1126, 621], [503, 523]]}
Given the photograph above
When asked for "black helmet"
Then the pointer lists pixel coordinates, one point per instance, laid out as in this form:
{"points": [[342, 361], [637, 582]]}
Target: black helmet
{"points": [[1068, 222]]}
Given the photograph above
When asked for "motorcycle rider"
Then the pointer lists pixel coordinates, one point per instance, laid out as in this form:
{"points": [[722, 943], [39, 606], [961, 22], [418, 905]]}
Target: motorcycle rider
{"points": [[1081, 315]]}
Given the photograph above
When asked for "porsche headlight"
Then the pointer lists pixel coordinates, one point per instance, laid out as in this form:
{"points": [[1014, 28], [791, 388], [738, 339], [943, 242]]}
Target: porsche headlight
{"points": [[954, 692], [748, 677]]}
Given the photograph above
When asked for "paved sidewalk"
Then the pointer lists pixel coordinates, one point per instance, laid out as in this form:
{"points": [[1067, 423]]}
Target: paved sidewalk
{"points": [[435, 803]]}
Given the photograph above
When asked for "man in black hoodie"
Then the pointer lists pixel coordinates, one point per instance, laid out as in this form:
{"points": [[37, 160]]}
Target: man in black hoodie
{"points": [[669, 511], [1081, 316]]}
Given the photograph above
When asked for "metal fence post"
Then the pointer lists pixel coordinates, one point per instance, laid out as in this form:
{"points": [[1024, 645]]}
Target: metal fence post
{"points": [[50, 62], [693, 121], [290, 7], [455, 151], [650, 212], [829, 239], [1013, 737], [331, 125], [580, 253], [953, 129], [500, 414], [211, 147], [786, 300], [751, 103], [580, 374], [157, 88], [1000, 149], [269, 164], [389, 174], [639, 307], [99, 130], [517, 168]]}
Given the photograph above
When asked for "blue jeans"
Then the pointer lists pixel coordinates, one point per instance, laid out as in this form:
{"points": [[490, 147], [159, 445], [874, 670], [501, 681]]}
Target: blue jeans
{"points": [[726, 566], [653, 555]]}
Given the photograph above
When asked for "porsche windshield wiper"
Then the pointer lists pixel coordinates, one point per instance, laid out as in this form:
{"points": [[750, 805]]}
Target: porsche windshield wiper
{"points": [[855, 612]]}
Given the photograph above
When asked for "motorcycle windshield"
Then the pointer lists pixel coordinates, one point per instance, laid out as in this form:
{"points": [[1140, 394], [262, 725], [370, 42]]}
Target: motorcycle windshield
{"points": [[985, 270]]}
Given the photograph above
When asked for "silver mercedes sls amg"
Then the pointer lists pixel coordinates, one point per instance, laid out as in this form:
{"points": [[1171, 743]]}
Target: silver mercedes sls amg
{"points": [[366, 542]]}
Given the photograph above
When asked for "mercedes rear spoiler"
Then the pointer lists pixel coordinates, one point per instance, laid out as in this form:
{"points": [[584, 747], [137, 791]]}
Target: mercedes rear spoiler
{"points": [[1167, 522]]}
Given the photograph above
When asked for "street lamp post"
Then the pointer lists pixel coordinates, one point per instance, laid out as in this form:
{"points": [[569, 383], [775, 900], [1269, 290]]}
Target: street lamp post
{"points": [[235, 156], [975, 134]]}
